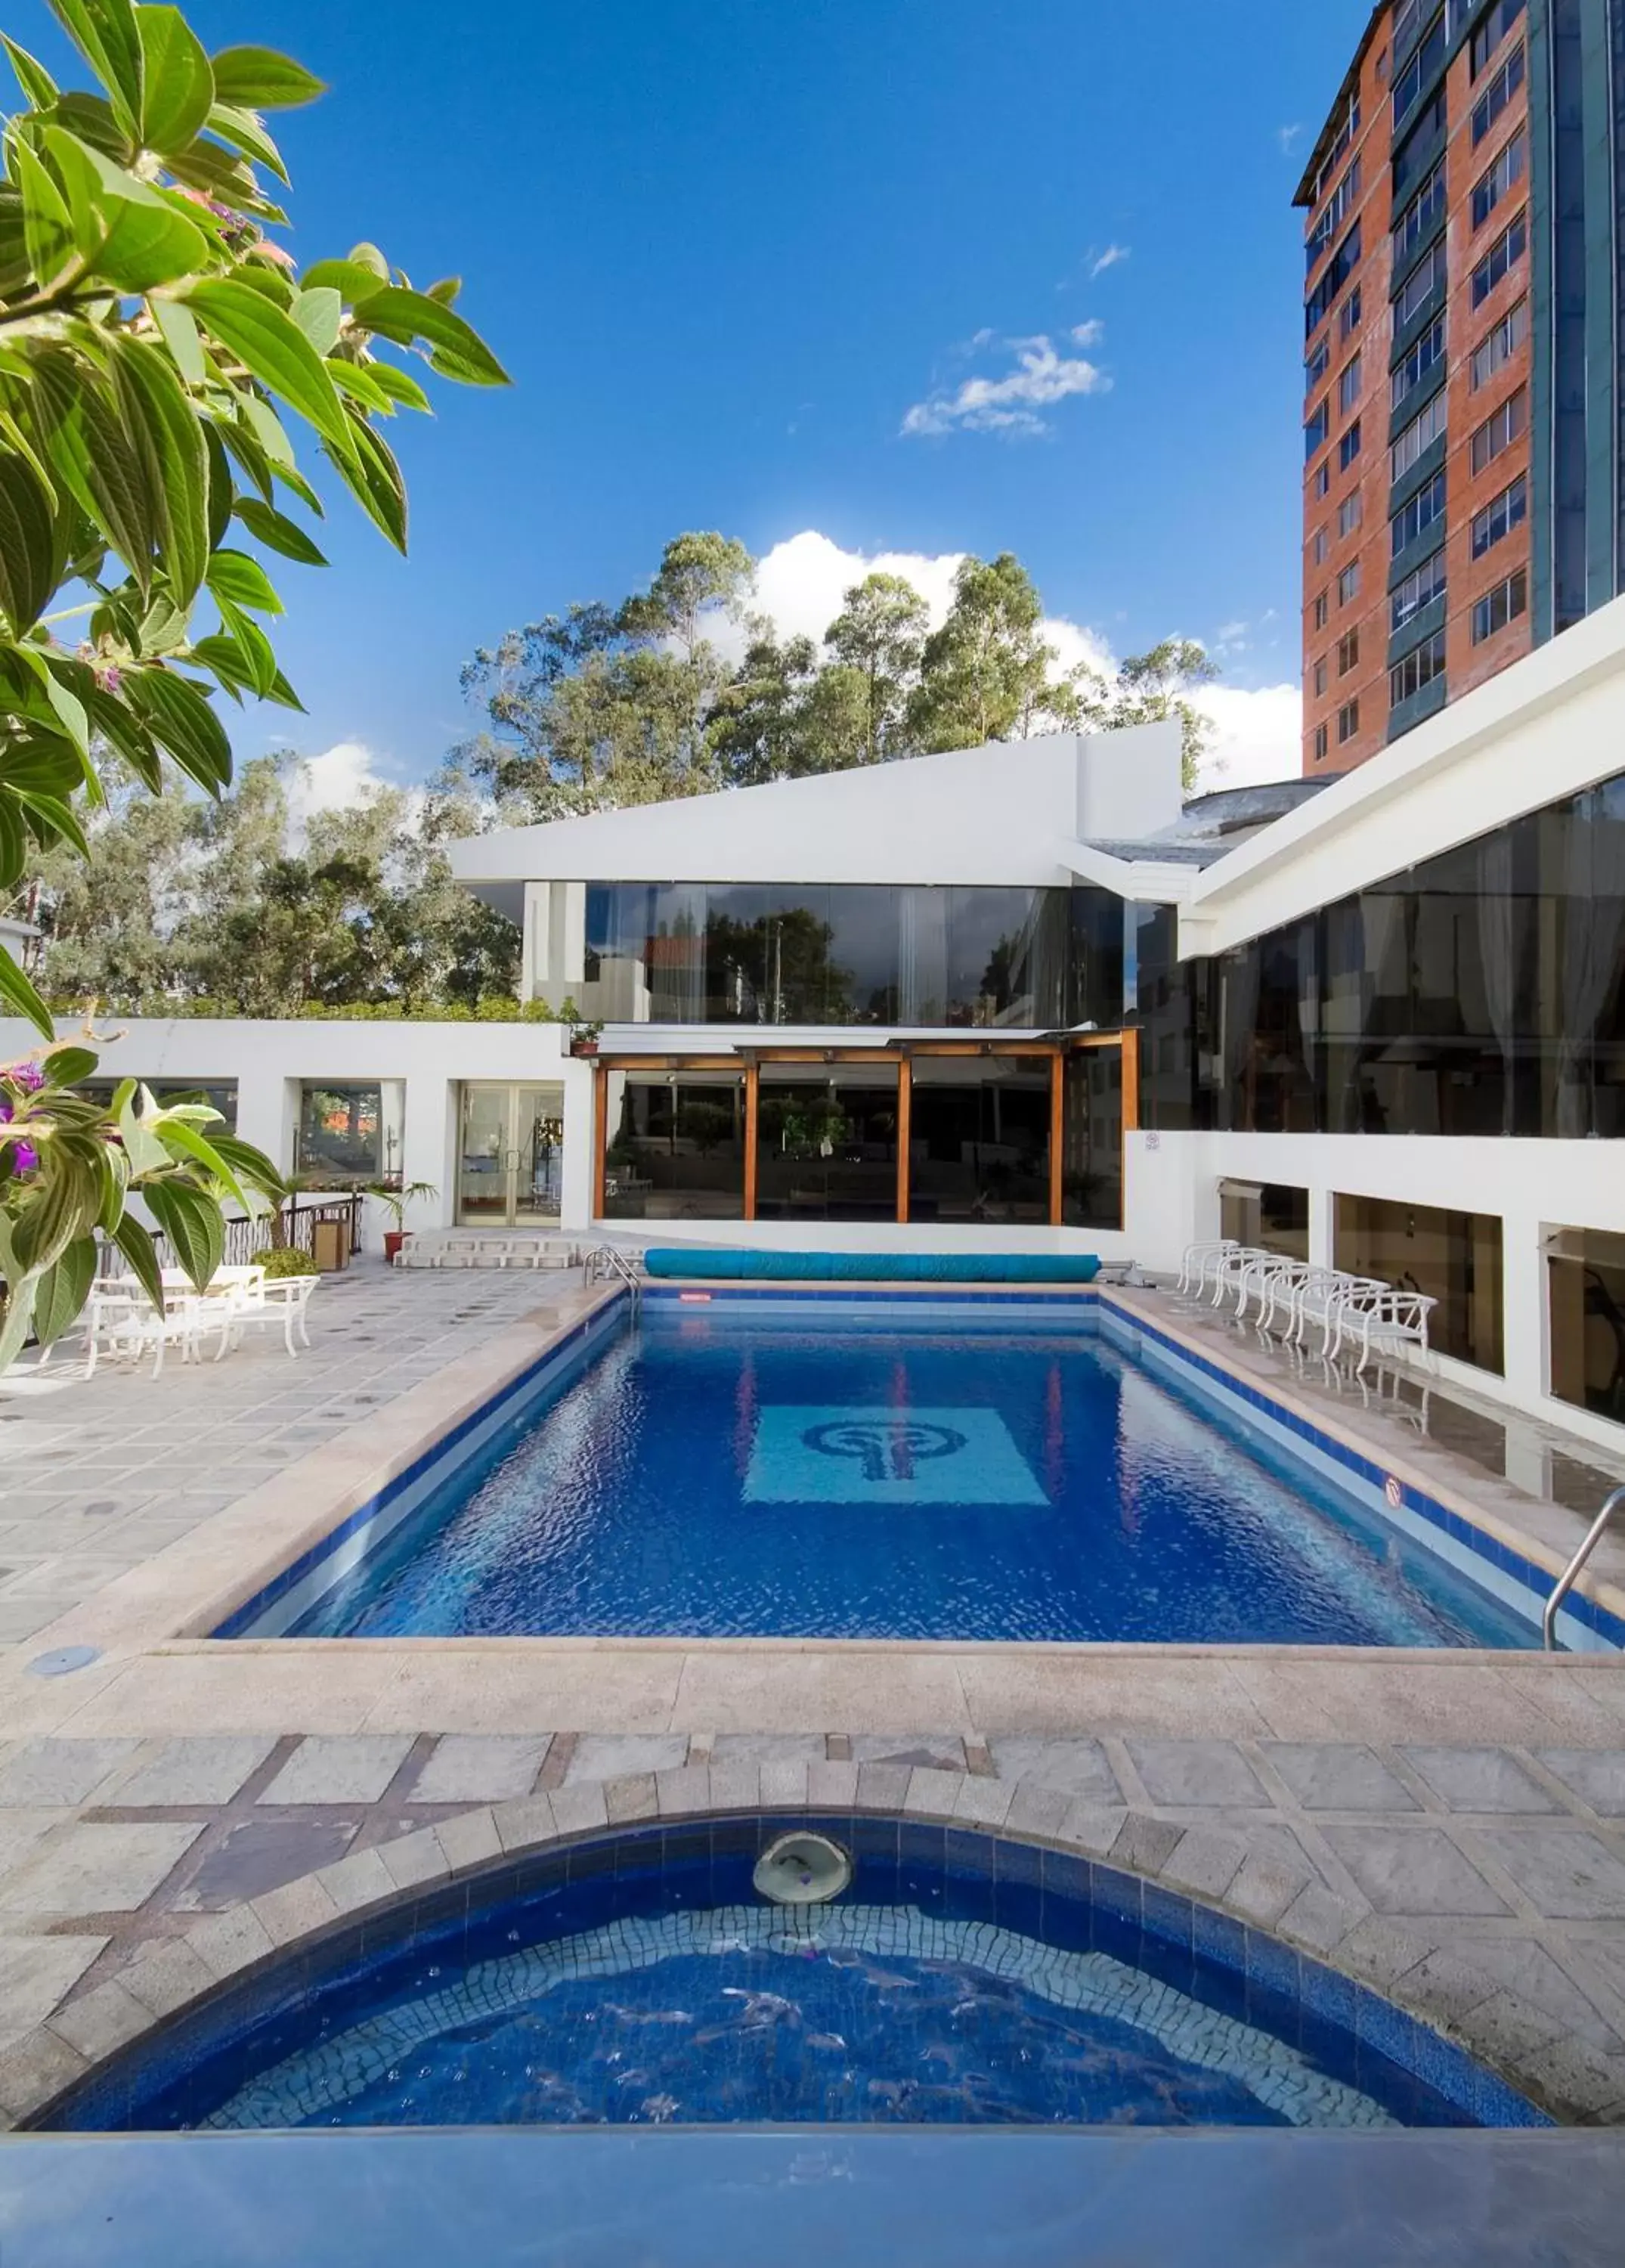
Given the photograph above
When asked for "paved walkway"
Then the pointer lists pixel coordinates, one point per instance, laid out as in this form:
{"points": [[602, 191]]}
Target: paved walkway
{"points": [[97, 1475]]}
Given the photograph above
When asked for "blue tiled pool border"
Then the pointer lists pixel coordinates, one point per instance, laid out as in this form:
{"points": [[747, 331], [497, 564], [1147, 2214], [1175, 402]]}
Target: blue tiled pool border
{"points": [[1506, 1574], [1030, 1887]]}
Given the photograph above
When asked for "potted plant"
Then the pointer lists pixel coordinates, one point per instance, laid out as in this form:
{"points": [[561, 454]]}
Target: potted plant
{"points": [[397, 1201], [584, 1038]]}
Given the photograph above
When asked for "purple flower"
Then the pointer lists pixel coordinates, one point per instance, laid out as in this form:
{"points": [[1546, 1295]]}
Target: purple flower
{"points": [[26, 1157]]}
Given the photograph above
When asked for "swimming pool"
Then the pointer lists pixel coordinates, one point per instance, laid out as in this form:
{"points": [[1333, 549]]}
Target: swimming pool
{"points": [[640, 1980], [843, 1470]]}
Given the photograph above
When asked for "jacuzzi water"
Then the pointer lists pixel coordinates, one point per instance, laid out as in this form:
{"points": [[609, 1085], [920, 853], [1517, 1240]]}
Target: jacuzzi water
{"points": [[719, 1473], [640, 1982]]}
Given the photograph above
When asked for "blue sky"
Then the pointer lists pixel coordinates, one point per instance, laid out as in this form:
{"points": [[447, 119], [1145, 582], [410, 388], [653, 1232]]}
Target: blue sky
{"points": [[726, 250]]}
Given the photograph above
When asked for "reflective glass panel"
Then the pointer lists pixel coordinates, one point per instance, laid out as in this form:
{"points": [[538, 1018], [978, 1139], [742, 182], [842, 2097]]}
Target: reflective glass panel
{"points": [[826, 1143], [979, 1138], [1586, 1295], [676, 1150], [1092, 1170], [1453, 1257]]}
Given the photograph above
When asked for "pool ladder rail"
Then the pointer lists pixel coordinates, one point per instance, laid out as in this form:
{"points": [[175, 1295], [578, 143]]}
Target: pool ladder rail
{"points": [[608, 1260], [1566, 1581]]}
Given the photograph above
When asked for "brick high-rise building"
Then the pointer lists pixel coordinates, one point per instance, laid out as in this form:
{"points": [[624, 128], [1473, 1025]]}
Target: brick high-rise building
{"points": [[1465, 248]]}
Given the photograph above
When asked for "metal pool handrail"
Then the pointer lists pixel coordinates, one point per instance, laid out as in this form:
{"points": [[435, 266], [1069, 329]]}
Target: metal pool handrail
{"points": [[1567, 1580], [609, 1260]]}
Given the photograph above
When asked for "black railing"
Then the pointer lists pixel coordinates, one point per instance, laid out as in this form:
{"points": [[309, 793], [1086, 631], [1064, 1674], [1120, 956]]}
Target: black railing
{"points": [[247, 1234]]}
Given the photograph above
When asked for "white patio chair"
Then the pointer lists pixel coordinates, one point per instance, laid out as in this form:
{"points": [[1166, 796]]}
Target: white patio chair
{"points": [[1385, 1322], [1230, 1269], [283, 1307], [1198, 1261], [1320, 1299], [1278, 1292]]}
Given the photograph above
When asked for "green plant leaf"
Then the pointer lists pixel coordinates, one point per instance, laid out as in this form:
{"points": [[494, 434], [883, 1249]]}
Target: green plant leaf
{"points": [[222, 493], [356, 380], [90, 120], [243, 582], [21, 997], [258, 79], [48, 222], [149, 244], [53, 820], [179, 716], [257, 657], [96, 457], [352, 279], [67, 1065], [177, 1134], [190, 1218], [151, 399], [63, 1289], [66, 1205], [115, 723], [277, 533], [248, 1164], [178, 326], [274, 350], [105, 33], [30, 564], [176, 85], [457, 349], [319, 311], [38, 87], [370, 472], [245, 132], [135, 1241], [14, 849], [401, 387]]}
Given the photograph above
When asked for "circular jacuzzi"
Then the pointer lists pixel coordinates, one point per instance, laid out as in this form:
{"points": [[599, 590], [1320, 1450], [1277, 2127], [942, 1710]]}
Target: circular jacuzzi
{"points": [[947, 1977]]}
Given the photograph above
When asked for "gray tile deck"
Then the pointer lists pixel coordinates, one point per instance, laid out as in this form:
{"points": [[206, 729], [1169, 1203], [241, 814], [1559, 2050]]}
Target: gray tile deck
{"points": [[101, 1472]]}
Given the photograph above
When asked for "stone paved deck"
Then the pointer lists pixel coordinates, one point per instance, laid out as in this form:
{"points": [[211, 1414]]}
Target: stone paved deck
{"points": [[1449, 1826], [97, 1475]]}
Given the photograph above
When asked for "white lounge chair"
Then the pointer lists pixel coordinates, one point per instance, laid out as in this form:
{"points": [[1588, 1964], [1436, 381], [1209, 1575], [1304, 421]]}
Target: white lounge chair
{"points": [[1199, 1261], [1385, 1323]]}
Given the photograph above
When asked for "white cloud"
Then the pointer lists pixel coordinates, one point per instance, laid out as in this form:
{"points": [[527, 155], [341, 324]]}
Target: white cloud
{"points": [[340, 778], [1099, 261], [1288, 137], [1258, 734], [1231, 633], [1009, 404], [1088, 335]]}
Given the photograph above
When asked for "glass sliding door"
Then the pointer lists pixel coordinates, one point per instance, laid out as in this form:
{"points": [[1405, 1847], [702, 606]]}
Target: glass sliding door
{"points": [[510, 1156], [675, 1146], [826, 1143], [979, 1138]]}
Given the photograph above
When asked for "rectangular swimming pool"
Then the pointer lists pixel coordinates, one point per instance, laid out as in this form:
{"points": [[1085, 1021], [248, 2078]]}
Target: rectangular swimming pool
{"points": [[844, 1469]]}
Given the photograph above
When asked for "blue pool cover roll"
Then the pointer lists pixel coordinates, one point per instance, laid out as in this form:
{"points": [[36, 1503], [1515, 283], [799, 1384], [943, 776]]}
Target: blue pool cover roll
{"points": [[875, 1267]]}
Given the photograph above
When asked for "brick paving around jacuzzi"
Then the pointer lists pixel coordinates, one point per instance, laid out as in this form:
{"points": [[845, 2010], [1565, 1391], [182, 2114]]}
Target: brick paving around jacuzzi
{"points": [[1481, 1888]]}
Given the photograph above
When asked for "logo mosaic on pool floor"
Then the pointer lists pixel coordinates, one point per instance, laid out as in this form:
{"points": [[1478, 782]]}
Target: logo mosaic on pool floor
{"points": [[815, 1455]]}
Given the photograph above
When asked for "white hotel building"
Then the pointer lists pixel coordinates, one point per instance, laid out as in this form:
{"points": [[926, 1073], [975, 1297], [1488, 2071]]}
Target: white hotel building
{"points": [[1021, 998]]}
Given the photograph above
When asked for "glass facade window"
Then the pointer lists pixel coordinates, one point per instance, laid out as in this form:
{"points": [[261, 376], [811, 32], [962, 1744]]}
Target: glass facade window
{"points": [[1452, 1257], [1482, 992], [1585, 1319], [1419, 148], [1317, 364], [1418, 217], [1344, 260], [1348, 385], [1492, 31], [817, 953], [1320, 744], [1420, 588], [1418, 514], [1091, 1147], [1429, 53], [1348, 652], [1317, 426], [1348, 583], [1495, 350], [1348, 320], [1419, 286], [351, 1134], [1500, 90], [826, 1143], [1332, 215], [1502, 257], [1500, 515], [1348, 446], [1419, 435], [1348, 127], [676, 1146], [1421, 358], [1418, 668], [979, 1138], [1351, 512], [1267, 1215], [1500, 430], [1503, 175], [1348, 721], [1498, 607]]}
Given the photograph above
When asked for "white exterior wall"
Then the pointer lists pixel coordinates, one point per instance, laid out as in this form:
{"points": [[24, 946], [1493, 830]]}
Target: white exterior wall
{"points": [[267, 1061]]}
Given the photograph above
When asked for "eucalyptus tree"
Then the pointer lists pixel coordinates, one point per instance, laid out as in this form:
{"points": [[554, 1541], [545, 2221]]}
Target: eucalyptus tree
{"points": [[159, 352]]}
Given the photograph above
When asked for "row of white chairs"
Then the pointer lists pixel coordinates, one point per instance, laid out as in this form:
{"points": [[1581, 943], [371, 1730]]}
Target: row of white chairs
{"points": [[446, 1248], [1283, 1297], [119, 1323]]}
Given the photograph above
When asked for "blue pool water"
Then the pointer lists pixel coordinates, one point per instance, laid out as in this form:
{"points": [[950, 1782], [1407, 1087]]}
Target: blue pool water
{"points": [[641, 1982], [714, 1472]]}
